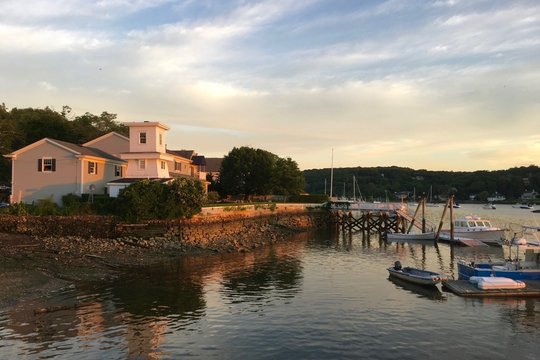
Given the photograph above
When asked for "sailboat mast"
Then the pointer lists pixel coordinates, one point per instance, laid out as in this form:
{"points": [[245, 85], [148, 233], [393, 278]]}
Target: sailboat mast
{"points": [[353, 188], [332, 174]]}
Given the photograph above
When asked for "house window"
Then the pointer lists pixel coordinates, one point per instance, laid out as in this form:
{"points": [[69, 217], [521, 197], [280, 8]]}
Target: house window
{"points": [[142, 164], [163, 165], [177, 166], [117, 170], [142, 138], [160, 139], [46, 164], [92, 167]]}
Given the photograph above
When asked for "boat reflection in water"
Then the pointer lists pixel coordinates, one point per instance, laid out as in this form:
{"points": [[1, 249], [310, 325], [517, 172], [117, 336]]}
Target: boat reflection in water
{"points": [[429, 292]]}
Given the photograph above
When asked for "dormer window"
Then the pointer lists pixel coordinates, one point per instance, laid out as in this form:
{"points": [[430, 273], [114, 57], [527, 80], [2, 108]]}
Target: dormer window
{"points": [[142, 138]]}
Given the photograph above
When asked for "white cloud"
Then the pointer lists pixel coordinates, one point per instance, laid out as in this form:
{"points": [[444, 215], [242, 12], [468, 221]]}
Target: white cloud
{"points": [[27, 39]]}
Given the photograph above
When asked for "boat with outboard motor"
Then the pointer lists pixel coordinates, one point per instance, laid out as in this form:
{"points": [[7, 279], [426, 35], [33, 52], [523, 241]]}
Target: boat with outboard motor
{"points": [[416, 276]]}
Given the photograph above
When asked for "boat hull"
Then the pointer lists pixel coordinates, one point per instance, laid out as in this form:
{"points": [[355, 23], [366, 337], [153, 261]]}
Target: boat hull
{"points": [[490, 237], [416, 276], [405, 237], [465, 271]]}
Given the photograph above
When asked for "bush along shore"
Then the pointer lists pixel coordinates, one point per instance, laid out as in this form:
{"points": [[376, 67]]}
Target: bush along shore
{"points": [[42, 252]]}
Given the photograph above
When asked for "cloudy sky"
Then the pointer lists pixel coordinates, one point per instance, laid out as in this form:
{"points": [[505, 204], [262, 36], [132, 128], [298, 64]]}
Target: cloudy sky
{"points": [[440, 85]]}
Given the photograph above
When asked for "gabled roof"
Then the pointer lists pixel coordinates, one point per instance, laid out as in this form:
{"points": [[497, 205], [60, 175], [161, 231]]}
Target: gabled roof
{"points": [[213, 164], [186, 154], [102, 137], [73, 148], [199, 160]]}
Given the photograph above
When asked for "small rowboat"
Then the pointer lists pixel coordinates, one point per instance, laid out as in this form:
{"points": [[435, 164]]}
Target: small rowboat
{"points": [[416, 276], [411, 236]]}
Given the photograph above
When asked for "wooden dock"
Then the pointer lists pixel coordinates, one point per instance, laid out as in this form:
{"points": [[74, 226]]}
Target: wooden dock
{"points": [[393, 217], [468, 289]]}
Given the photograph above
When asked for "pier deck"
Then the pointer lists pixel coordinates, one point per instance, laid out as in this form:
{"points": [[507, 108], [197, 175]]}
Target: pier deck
{"points": [[468, 289]]}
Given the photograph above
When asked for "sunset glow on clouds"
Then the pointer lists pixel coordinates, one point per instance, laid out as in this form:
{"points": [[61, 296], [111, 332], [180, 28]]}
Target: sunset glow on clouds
{"points": [[442, 85]]}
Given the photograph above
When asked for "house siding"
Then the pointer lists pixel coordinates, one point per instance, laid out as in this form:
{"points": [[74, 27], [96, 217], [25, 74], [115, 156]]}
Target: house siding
{"points": [[152, 138], [30, 185], [104, 174]]}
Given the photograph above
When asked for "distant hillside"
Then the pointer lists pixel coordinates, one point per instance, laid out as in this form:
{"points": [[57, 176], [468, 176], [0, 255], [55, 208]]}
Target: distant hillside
{"points": [[375, 182]]}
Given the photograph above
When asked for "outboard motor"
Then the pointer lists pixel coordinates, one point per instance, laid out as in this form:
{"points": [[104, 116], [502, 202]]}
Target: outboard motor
{"points": [[397, 265]]}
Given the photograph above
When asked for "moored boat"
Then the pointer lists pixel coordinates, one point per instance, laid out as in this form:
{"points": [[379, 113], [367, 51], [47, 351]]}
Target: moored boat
{"points": [[416, 276], [489, 206], [474, 227], [523, 206], [527, 269], [411, 236]]}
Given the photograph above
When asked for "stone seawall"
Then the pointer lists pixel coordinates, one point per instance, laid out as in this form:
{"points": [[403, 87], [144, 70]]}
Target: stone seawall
{"points": [[227, 229]]}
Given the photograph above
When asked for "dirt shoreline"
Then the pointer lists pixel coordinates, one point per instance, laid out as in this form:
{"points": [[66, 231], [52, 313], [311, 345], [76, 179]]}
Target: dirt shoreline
{"points": [[32, 267]]}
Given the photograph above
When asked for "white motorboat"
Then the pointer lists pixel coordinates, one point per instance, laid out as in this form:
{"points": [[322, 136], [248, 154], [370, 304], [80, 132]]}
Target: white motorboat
{"points": [[523, 206], [474, 227], [489, 206]]}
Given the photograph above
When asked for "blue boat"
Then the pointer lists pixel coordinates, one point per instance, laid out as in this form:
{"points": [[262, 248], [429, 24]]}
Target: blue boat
{"points": [[527, 269]]}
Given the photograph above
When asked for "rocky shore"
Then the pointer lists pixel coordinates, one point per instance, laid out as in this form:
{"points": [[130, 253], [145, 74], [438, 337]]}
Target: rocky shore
{"points": [[33, 265]]}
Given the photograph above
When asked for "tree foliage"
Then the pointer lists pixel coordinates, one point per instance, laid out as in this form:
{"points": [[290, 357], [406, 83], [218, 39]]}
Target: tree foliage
{"points": [[21, 127], [248, 171], [377, 182], [148, 200]]}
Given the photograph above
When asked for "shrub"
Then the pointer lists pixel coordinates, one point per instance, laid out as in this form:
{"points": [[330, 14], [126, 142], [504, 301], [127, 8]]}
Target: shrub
{"points": [[184, 198], [212, 197], [140, 201], [148, 200], [45, 207]]}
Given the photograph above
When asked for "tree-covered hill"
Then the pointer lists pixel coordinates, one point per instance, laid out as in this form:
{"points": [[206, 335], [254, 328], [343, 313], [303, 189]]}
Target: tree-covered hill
{"points": [[376, 182], [21, 127]]}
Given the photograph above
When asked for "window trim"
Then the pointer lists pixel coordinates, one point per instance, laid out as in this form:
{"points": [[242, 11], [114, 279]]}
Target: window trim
{"points": [[92, 168], [163, 165], [118, 170], [141, 162], [42, 167], [142, 136]]}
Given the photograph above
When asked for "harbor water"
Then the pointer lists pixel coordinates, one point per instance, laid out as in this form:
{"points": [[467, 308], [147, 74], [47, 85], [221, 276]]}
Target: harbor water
{"points": [[318, 296]]}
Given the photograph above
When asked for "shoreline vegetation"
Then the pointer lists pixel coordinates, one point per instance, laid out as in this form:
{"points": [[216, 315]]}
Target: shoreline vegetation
{"points": [[36, 263]]}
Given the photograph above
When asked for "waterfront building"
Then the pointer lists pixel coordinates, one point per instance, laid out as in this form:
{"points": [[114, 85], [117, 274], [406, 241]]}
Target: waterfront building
{"points": [[51, 168]]}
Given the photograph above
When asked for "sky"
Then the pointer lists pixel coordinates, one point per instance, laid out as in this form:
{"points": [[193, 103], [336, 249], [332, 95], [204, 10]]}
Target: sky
{"points": [[437, 85]]}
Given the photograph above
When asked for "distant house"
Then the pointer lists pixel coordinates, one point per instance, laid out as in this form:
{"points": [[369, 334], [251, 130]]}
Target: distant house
{"points": [[213, 167], [529, 195], [496, 197], [52, 168]]}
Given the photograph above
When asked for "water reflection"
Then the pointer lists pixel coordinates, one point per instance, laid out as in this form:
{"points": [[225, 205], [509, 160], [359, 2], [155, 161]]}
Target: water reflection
{"points": [[315, 296], [429, 292], [274, 273]]}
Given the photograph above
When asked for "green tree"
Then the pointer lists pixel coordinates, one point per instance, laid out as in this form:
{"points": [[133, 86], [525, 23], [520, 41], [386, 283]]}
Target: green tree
{"points": [[288, 179], [248, 171]]}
